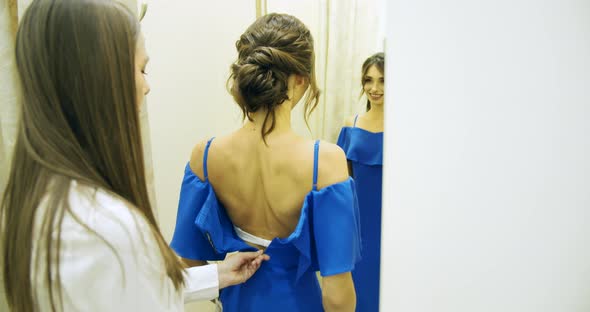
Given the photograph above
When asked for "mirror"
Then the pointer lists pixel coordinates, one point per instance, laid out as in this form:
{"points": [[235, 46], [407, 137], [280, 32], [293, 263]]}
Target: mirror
{"points": [[191, 47]]}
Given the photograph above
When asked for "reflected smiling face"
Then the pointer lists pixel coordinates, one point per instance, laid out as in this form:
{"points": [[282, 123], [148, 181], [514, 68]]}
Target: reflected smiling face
{"points": [[373, 85]]}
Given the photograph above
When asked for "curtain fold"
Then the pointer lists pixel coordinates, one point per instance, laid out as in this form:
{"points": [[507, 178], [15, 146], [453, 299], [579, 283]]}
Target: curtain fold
{"points": [[8, 88]]}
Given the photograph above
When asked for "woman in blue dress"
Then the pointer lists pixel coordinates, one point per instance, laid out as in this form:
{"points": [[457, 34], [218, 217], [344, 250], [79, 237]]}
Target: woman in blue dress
{"points": [[362, 141], [265, 187]]}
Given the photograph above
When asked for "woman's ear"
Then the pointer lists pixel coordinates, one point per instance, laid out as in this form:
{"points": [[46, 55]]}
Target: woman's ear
{"points": [[300, 80]]}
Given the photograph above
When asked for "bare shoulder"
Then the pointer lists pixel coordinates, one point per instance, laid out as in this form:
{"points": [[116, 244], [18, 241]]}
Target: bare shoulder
{"points": [[349, 121], [332, 165], [196, 162]]}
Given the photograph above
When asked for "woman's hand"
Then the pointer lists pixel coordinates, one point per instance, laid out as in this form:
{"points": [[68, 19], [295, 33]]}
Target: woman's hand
{"points": [[239, 267]]}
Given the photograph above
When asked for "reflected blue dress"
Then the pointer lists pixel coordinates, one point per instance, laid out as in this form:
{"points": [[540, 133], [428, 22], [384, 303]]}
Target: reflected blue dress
{"points": [[326, 238], [364, 150]]}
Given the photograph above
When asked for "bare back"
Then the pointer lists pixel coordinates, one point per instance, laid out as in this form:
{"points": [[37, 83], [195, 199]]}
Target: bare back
{"points": [[263, 187]]}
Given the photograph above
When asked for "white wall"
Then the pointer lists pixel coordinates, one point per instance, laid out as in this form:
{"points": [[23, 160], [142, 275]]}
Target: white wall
{"points": [[191, 47], [487, 176]]}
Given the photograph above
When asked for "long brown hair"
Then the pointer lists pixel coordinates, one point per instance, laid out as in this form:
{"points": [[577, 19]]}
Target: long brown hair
{"points": [[269, 51], [78, 121], [378, 60]]}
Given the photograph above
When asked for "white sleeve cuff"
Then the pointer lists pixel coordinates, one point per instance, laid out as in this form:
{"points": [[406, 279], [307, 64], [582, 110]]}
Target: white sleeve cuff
{"points": [[202, 283]]}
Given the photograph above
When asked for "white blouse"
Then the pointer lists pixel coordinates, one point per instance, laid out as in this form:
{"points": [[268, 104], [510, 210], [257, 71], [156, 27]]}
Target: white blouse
{"points": [[117, 268]]}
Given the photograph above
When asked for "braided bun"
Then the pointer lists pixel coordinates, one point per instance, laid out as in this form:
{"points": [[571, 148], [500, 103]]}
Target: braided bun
{"points": [[274, 47]]}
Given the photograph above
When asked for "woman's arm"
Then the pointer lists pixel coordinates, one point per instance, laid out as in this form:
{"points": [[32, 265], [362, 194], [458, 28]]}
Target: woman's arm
{"points": [[114, 266], [201, 283], [204, 281], [338, 293]]}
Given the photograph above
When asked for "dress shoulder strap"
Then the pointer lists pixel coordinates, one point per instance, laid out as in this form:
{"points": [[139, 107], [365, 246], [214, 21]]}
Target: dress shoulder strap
{"points": [[205, 158], [316, 149]]}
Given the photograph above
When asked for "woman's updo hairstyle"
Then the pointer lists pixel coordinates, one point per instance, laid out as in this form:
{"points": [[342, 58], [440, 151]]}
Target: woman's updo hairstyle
{"points": [[274, 47]]}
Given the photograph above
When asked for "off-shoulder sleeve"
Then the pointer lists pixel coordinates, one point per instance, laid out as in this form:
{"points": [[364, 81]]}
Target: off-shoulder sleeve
{"points": [[336, 228], [188, 240], [362, 146]]}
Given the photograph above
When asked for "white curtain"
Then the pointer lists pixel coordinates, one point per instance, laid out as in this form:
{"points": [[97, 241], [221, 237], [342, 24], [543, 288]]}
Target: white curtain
{"points": [[345, 32], [8, 88]]}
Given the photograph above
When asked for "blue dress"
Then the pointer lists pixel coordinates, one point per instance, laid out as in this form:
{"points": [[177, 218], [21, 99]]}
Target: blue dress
{"points": [[364, 150], [326, 238]]}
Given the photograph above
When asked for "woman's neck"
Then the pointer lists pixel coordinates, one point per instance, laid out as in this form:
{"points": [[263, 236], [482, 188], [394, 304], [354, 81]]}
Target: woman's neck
{"points": [[282, 119], [375, 113]]}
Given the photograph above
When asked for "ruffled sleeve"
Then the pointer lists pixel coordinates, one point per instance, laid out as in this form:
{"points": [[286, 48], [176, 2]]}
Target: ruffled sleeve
{"points": [[188, 240], [336, 228]]}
